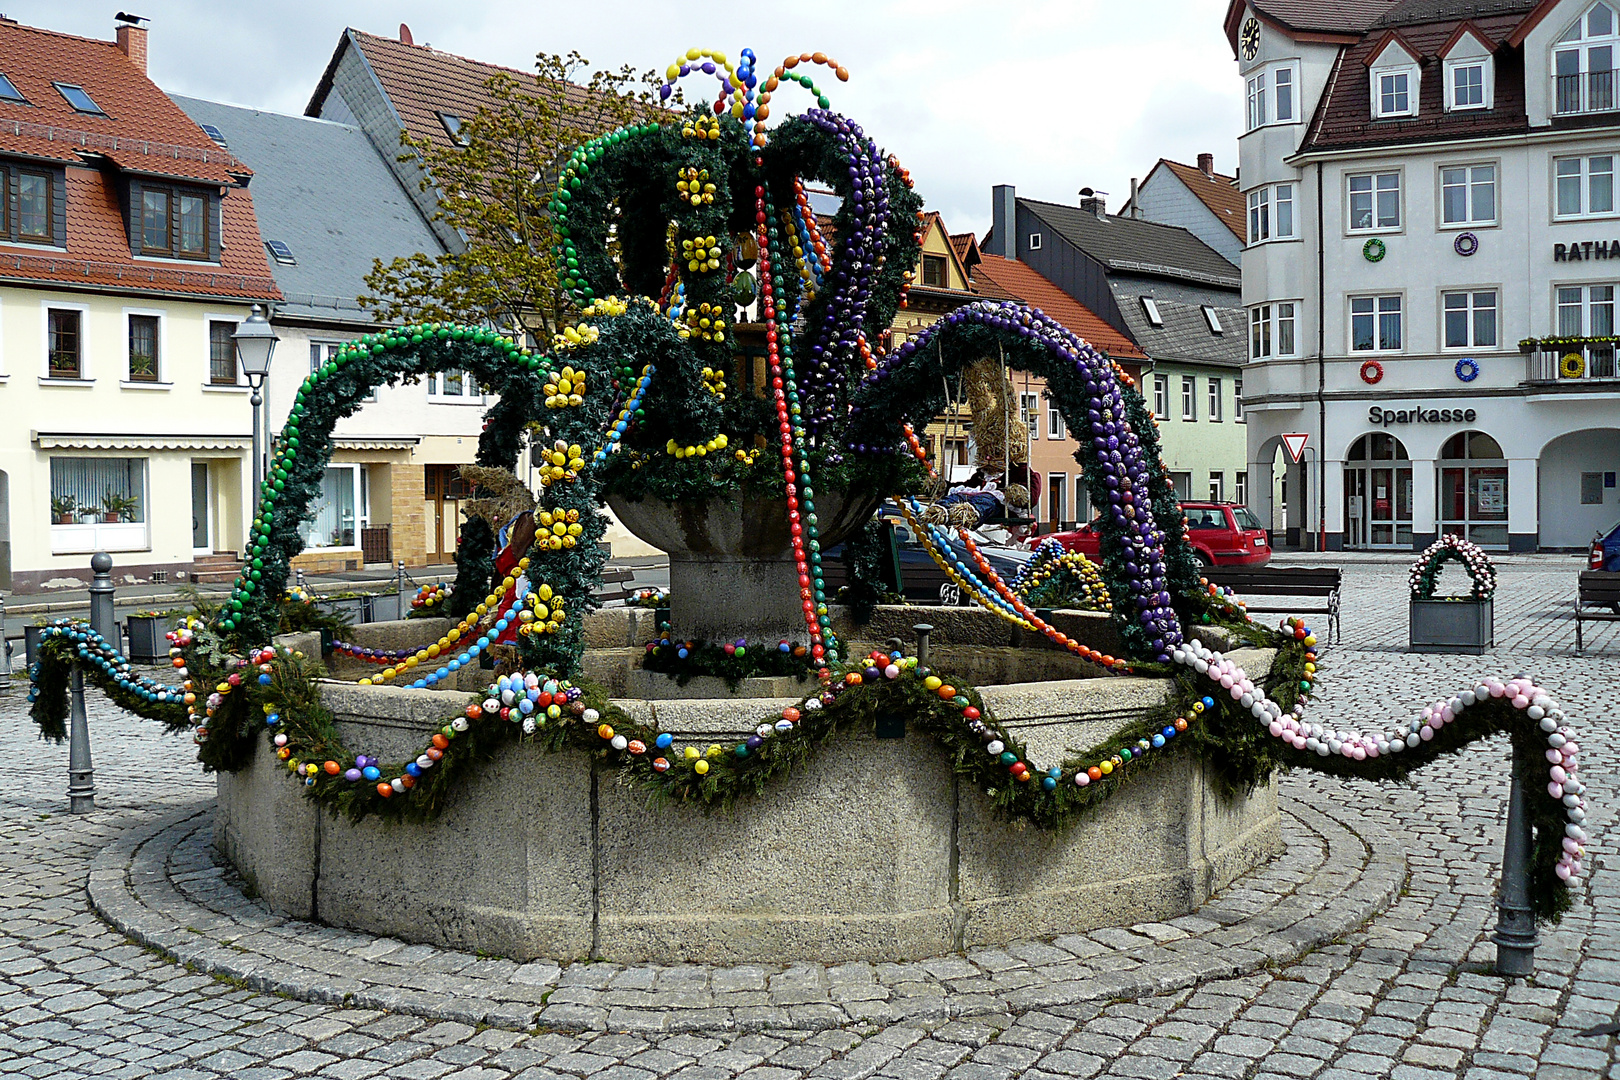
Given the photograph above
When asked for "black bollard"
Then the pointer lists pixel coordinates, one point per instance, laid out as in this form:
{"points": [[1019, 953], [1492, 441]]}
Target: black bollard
{"points": [[101, 600], [922, 630], [1515, 934], [81, 773]]}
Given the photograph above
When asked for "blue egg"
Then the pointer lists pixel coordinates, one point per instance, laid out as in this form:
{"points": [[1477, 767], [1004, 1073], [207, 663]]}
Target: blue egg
{"points": [[1209, 703], [413, 769], [454, 665], [1169, 732], [1158, 741], [1048, 782], [681, 653], [371, 772], [264, 679], [664, 741], [525, 706]]}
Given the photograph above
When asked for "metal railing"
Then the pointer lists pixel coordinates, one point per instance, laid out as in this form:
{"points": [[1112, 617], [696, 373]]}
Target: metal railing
{"points": [[1585, 92], [1572, 362]]}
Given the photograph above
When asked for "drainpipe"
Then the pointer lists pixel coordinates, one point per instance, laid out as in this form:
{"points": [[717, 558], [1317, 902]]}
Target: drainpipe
{"points": [[1321, 371]]}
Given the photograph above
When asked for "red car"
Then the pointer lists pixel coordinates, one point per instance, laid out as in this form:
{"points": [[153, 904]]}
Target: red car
{"points": [[1222, 534]]}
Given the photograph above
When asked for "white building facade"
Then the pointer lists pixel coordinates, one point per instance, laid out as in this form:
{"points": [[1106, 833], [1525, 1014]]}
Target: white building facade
{"points": [[1430, 275]]}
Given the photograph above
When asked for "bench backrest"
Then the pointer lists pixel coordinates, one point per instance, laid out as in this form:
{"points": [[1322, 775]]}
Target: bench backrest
{"points": [[1290, 581], [1601, 585]]}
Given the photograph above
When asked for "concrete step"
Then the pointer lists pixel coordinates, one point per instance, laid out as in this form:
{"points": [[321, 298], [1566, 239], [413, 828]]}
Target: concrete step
{"points": [[222, 576]]}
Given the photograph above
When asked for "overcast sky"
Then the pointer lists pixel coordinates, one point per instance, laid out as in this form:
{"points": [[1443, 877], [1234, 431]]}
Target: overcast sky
{"points": [[1049, 96]]}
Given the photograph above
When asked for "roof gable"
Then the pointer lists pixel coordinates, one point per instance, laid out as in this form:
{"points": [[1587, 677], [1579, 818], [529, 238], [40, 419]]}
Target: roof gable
{"points": [[1133, 245], [1392, 50], [937, 241], [1016, 280], [1467, 40], [139, 128]]}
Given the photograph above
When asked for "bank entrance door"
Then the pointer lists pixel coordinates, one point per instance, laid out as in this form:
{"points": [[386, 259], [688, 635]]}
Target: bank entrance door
{"points": [[1377, 494]]}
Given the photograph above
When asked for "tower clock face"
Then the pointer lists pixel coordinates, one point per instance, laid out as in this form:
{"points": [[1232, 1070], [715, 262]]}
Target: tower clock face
{"points": [[1249, 38]]}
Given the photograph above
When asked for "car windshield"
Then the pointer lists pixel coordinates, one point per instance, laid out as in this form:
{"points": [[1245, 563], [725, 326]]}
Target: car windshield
{"points": [[1245, 519]]}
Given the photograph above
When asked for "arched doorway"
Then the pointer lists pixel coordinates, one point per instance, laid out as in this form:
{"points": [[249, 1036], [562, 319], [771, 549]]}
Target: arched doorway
{"points": [[1378, 493], [1473, 489], [1579, 496]]}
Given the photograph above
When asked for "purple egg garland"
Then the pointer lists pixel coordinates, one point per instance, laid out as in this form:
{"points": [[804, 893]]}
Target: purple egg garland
{"points": [[1113, 446]]}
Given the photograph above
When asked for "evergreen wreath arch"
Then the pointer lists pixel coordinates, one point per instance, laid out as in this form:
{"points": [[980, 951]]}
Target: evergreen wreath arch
{"points": [[1425, 572]]}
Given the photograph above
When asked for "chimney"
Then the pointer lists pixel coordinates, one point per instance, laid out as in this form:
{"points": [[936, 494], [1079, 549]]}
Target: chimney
{"points": [[1135, 210], [1094, 202], [1004, 221], [132, 39], [1206, 165]]}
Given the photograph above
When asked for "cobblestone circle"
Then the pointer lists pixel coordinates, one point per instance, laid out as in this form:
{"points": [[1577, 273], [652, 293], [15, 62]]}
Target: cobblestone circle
{"points": [[1362, 953]]}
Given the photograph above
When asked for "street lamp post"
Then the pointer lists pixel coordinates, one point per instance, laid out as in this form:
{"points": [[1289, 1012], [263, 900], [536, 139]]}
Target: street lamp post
{"points": [[255, 344]]}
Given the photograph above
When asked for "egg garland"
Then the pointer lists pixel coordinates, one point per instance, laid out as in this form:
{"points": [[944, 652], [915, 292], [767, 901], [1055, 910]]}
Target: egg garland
{"points": [[69, 641], [446, 643], [1424, 573], [429, 597], [1054, 577]]}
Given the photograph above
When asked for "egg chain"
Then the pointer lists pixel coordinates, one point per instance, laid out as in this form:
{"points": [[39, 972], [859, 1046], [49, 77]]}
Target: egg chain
{"points": [[453, 635]]}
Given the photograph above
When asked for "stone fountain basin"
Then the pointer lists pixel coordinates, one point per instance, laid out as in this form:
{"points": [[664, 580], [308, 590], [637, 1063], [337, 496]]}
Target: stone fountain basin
{"points": [[874, 851]]}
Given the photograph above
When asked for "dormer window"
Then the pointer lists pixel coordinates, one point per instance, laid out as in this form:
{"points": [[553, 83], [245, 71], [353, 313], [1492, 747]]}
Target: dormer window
{"points": [[1395, 80], [1469, 72], [1584, 63], [172, 222]]}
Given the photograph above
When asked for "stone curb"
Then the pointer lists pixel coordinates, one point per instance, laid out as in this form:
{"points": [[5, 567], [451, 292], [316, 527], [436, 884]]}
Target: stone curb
{"points": [[196, 918]]}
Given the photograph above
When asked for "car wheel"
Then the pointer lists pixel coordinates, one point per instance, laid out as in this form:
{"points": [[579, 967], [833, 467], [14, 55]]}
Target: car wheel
{"points": [[1203, 563]]}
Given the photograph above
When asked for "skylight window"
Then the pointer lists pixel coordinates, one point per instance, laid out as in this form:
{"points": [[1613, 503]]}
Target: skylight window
{"points": [[214, 133], [281, 253], [1150, 306], [76, 97], [452, 125], [9, 92], [1214, 320]]}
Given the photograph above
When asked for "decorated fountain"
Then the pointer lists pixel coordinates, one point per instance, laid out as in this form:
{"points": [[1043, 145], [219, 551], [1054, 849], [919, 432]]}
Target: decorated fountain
{"points": [[495, 780]]}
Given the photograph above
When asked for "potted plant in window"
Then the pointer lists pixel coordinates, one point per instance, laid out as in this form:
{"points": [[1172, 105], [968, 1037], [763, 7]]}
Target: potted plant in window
{"points": [[1451, 624], [115, 507], [62, 509]]}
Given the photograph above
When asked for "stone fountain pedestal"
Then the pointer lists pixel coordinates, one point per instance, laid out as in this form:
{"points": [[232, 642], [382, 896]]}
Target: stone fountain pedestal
{"points": [[731, 568]]}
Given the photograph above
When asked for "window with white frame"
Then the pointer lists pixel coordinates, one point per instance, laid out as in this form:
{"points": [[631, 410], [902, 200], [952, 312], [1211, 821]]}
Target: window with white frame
{"points": [[1375, 201], [322, 353], [1395, 92], [1161, 396], [1585, 310], [1189, 397], [1271, 330], [1273, 95], [1217, 487], [1583, 63], [1257, 100], [1583, 186], [1054, 422], [453, 386], [1031, 405], [1212, 319], [339, 511], [1469, 83], [1150, 308], [1237, 403], [1240, 487], [1469, 319], [1375, 323], [86, 490], [1271, 213], [1215, 400], [1468, 194]]}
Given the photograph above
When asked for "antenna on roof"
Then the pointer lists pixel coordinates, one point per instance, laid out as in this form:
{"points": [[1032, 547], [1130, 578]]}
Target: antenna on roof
{"points": [[131, 20], [405, 35]]}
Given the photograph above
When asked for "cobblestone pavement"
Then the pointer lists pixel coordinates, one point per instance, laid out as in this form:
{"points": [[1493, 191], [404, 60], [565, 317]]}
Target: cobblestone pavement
{"points": [[1408, 995]]}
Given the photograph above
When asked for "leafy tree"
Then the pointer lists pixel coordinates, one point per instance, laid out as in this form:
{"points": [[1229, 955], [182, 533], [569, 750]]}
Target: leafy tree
{"points": [[493, 188]]}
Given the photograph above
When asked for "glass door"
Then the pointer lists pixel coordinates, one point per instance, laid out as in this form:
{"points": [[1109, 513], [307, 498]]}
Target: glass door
{"points": [[1355, 508], [199, 507]]}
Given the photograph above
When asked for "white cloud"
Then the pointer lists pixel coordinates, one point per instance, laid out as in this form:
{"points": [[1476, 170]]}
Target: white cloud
{"points": [[1050, 96]]}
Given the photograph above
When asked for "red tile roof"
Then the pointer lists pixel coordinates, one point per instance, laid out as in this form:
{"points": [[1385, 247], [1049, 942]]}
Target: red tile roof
{"points": [[1219, 193], [421, 82], [1019, 282], [142, 132], [142, 128]]}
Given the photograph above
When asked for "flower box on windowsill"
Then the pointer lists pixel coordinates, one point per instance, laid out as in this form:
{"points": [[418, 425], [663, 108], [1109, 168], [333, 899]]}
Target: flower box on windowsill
{"points": [[1461, 625]]}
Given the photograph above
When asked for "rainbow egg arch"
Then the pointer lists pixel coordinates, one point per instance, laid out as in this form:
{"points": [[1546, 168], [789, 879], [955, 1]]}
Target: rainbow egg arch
{"points": [[727, 338]]}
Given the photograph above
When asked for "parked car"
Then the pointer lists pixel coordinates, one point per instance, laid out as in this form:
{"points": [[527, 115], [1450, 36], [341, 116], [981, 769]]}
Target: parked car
{"points": [[922, 580], [1222, 534], [1605, 554]]}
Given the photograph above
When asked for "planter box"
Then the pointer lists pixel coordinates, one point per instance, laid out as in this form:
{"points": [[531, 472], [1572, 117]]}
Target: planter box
{"points": [[350, 607], [385, 607], [1451, 626], [147, 645]]}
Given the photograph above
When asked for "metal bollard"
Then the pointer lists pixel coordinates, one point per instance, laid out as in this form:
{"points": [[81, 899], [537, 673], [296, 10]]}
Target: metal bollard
{"points": [[922, 630], [81, 773], [399, 588], [101, 600], [5, 649], [1515, 934]]}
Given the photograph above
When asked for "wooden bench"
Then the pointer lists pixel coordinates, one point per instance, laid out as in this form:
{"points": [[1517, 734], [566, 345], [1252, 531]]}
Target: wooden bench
{"points": [[1597, 599], [1322, 582], [615, 584]]}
